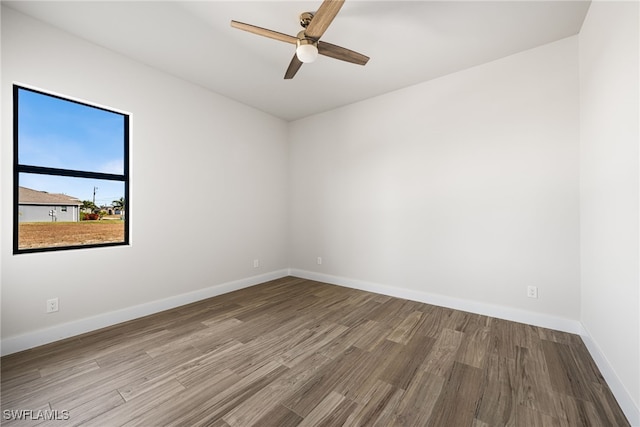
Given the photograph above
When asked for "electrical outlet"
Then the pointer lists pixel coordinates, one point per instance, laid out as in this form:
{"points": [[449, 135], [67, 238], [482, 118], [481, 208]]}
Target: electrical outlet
{"points": [[256, 263], [532, 291], [52, 305], [319, 260]]}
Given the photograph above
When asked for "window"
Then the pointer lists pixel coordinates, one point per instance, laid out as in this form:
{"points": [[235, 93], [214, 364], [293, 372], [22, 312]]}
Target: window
{"points": [[71, 174]]}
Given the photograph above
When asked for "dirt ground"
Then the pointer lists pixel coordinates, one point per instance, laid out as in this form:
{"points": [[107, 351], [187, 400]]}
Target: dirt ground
{"points": [[48, 234]]}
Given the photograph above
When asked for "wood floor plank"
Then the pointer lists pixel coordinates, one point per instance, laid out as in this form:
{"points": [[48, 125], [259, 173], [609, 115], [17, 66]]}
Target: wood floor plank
{"points": [[376, 405], [606, 407], [458, 400], [443, 353], [401, 362], [474, 347], [371, 335], [434, 320], [529, 417], [533, 383], [258, 406], [205, 408], [387, 413], [564, 373], [330, 377], [393, 312], [498, 402], [293, 352], [574, 411], [151, 410], [138, 410], [209, 364], [89, 409], [416, 404], [323, 410], [406, 329], [146, 386], [18, 363], [321, 337], [338, 345], [338, 416], [354, 311], [507, 337], [279, 416], [31, 393]]}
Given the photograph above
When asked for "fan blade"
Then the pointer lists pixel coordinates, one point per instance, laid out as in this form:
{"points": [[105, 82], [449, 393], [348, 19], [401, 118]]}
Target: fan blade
{"points": [[264, 32], [294, 66], [341, 53], [323, 18]]}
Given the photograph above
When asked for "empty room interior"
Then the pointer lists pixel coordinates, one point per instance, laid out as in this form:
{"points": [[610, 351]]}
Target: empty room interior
{"points": [[434, 222]]}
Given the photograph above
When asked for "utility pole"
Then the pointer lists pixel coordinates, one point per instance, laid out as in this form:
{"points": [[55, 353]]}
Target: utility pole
{"points": [[94, 195]]}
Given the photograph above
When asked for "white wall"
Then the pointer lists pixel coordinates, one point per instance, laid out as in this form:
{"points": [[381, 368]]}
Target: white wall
{"points": [[609, 193], [208, 191], [460, 189]]}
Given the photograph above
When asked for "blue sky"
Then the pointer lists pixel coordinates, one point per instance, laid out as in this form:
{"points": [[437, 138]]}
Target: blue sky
{"points": [[62, 134]]}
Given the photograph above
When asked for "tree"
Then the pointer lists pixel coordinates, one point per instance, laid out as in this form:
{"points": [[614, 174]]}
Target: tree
{"points": [[89, 205], [119, 204]]}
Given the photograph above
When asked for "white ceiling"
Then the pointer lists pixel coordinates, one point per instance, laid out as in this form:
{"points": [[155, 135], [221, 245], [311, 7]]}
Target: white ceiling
{"points": [[408, 42]]}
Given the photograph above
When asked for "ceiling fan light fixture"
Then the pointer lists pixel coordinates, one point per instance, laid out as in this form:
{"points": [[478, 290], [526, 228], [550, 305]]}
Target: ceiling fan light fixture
{"points": [[307, 51], [314, 25]]}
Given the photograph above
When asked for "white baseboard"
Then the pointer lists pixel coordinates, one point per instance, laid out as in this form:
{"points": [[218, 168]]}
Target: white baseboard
{"points": [[29, 340], [617, 387], [501, 312], [622, 395]]}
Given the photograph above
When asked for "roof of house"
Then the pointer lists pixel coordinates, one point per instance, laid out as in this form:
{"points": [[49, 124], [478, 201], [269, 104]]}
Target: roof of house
{"points": [[27, 196]]}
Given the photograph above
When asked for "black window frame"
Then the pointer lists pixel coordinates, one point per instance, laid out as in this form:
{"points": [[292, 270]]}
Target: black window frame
{"points": [[21, 168]]}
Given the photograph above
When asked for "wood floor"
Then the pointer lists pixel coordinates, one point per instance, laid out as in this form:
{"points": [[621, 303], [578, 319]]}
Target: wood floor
{"points": [[293, 352]]}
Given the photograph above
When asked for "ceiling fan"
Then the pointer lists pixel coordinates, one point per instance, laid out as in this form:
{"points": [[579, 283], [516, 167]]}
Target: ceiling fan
{"points": [[308, 44]]}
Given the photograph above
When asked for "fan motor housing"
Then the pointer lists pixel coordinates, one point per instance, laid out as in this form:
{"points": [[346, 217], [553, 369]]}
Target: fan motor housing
{"points": [[303, 39]]}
